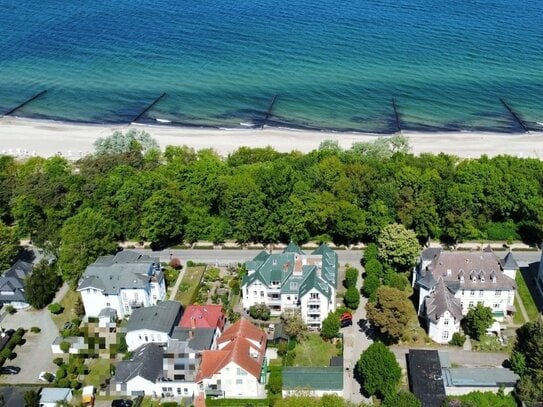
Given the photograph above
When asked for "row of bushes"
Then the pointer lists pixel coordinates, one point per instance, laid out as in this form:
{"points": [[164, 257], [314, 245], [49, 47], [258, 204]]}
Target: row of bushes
{"points": [[16, 339]]}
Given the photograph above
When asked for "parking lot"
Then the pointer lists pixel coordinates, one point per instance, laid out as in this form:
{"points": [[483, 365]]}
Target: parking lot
{"points": [[35, 355]]}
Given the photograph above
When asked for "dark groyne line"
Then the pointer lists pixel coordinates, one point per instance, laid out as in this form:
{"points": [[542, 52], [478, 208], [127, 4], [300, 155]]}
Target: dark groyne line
{"points": [[268, 113], [515, 116], [148, 108], [26, 102], [396, 115]]}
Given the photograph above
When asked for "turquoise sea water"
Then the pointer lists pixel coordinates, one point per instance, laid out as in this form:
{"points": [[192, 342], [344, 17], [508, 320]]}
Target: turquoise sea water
{"points": [[333, 64]]}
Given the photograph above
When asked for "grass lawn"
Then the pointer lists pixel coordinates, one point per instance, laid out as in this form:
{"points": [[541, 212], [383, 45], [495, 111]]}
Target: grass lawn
{"points": [[68, 314], [314, 352], [189, 284], [517, 317], [99, 371], [149, 402], [526, 296]]}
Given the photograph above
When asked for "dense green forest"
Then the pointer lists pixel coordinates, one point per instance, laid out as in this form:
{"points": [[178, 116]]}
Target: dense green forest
{"points": [[262, 195]]}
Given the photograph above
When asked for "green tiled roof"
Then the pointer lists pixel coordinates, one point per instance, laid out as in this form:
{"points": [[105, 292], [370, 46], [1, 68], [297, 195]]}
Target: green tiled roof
{"points": [[313, 281], [313, 378], [293, 248]]}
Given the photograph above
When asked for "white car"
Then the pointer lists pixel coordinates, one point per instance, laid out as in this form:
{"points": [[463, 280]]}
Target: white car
{"points": [[43, 377]]}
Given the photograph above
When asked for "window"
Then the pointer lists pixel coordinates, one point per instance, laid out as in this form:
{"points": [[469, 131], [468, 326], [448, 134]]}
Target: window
{"points": [[445, 335], [178, 391], [288, 297], [314, 296], [496, 305], [255, 293], [108, 304], [472, 293], [481, 293], [261, 294], [293, 285], [241, 372], [446, 322], [186, 391], [471, 304], [463, 292], [239, 381], [498, 293]]}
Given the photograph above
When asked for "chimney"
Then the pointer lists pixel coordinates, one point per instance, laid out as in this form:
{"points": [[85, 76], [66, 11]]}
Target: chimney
{"points": [[193, 323], [191, 334]]}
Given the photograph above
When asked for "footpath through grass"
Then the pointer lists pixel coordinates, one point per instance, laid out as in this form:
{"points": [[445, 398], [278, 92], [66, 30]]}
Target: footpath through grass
{"points": [[189, 285], [526, 297], [68, 303], [314, 352]]}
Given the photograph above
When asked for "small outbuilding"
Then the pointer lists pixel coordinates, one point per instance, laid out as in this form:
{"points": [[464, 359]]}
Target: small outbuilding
{"points": [[316, 381], [51, 397]]}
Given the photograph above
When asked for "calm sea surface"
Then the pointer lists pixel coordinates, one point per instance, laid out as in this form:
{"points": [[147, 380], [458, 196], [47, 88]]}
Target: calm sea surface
{"points": [[333, 64]]}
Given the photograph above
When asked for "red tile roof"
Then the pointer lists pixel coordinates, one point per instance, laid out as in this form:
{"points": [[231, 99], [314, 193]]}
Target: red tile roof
{"points": [[235, 346], [203, 316]]}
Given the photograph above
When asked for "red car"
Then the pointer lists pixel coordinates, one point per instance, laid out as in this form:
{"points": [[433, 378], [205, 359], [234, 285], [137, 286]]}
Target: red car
{"points": [[346, 319]]}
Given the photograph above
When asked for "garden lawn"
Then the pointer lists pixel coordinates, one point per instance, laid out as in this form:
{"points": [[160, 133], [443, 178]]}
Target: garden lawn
{"points": [[68, 303], [314, 352], [517, 317], [526, 297], [99, 371], [189, 285]]}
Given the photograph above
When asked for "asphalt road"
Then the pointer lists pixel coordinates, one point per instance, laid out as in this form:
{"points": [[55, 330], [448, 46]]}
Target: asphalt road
{"points": [[232, 256]]}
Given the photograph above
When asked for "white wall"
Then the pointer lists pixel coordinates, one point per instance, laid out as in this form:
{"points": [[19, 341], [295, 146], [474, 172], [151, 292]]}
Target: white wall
{"points": [[176, 388], [325, 307], [235, 384], [445, 324], [95, 301], [135, 339], [496, 300], [458, 391], [137, 384], [256, 293]]}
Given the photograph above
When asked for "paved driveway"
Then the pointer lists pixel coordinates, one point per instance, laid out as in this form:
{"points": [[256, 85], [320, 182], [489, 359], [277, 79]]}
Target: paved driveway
{"points": [[35, 355]]}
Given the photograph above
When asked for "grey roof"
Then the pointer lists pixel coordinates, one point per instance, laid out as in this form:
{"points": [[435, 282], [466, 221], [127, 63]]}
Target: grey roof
{"points": [[476, 268], [53, 395], [127, 269], [202, 338], [336, 361], [430, 253], [107, 312], [161, 317], [13, 281], [441, 300], [279, 332], [313, 378], [14, 396], [479, 377], [425, 381], [509, 262], [146, 363]]}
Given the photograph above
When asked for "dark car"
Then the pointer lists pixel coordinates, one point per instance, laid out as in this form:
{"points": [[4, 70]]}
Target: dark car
{"points": [[346, 322], [121, 403], [10, 370]]}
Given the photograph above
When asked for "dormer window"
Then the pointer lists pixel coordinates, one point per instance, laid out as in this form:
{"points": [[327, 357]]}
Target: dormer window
{"points": [[461, 279]]}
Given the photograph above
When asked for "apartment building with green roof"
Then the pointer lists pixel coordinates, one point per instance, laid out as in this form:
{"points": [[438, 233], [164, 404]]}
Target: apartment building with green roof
{"points": [[293, 280]]}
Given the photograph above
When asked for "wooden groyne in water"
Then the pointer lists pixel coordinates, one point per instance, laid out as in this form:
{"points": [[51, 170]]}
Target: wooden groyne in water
{"points": [[268, 113], [515, 116], [396, 115], [148, 108], [26, 102]]}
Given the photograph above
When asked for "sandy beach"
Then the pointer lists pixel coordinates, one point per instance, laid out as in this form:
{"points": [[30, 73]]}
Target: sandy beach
{"points": [[23, 137]]}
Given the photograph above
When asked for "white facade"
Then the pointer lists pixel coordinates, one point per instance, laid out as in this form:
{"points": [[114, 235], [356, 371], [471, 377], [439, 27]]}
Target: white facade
{"points": [[136, 386], [443, 330], [315, 307], [497, 300], [134, 339], [235, 382], [94, 299]]}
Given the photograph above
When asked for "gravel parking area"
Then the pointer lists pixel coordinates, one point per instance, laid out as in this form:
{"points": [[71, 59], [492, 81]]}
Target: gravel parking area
{"points": [[35, 355]]}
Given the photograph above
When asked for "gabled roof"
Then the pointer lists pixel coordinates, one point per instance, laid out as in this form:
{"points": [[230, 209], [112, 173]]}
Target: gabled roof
{"points": [[293, 248], [20, 270], [441, 300], [509, 262], [243, 344], [161, 317], [54, 395], [197, 339], [12, 281], [203, 316], [313, 378], [312, 281], [127, 269], [477, 377], [146, 363]]}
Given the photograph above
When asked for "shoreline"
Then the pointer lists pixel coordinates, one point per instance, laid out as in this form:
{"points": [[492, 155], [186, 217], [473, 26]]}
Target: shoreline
{"points": [[29, 137]]}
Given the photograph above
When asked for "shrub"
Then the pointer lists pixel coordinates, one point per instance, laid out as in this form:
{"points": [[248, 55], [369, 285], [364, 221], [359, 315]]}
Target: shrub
{"points": [[351, 277], [49, 377], [371, 284], [35, 329], [10, 309], [234, 285], [5, 353], [457, 339], [58, 361], [65, 346], [379, 370], [371, 252], [260, 311], [75, 384], [330, 326], [352, 298], [477, 321], [175, 264], [61, 372], [373, 266], [55, 308]]}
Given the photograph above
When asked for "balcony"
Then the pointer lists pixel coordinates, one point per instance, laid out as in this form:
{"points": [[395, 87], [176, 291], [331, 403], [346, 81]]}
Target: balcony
{"points": [[136, 304], [274, 300], [314, 301]]}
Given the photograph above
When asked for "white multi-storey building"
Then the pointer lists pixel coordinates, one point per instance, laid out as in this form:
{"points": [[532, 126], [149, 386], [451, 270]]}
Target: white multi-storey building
{"points": [[122, 282], [450, 283], [293, 280]]}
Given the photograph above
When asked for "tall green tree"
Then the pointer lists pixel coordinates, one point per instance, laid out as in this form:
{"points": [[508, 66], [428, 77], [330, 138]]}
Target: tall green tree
{"points": [[530, 344], [41, 286], [398, 247], [477, 321], [84, 237], [379, 371], [164, 218], [9, 246], [330, 326]]}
